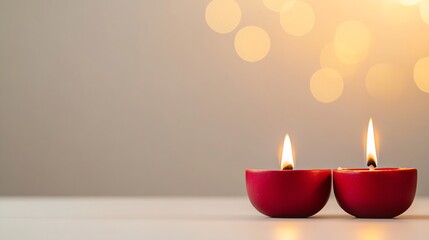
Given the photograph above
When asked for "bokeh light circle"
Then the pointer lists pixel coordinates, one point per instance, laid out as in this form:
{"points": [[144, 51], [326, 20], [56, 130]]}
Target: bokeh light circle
{"points": [[424, 11], [223, 16], [385, 82], [409, 2], [297, 18], [276, 5], [252, 43], [352, 41], [326, 85], [421, 74], [328, 59]]}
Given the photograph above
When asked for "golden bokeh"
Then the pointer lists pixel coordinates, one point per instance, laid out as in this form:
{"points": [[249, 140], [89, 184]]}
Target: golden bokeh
{"points": [[352, 41], [395, 13], [424, 11], [223, 16], [277, 5], [385, 82], [328, 59], [252, 43], [369, 231], [409, 2], [298, 18], [421, 74], [351, 47], [351, 59], [326, 85], [286, 232]]}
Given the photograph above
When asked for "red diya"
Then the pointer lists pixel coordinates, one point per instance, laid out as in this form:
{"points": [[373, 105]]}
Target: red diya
{"points": [[288, 193], [375, 192]]}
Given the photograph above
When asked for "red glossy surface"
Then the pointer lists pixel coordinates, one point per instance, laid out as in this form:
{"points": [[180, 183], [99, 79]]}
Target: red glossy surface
{"points": [[288, 193], [382, 193]]}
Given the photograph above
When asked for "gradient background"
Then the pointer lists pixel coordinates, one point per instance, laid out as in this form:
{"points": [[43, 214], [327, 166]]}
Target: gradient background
{"points": [[143, 98]]}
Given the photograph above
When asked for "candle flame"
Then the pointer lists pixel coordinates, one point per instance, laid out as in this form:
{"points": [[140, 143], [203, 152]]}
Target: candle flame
{"points": [[287, 156], [371, 153]]}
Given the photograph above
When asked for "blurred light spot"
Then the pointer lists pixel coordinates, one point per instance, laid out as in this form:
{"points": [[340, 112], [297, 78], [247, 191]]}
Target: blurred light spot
{"points": [[421, 74], [371, 232], [297, 18], [352, 40], [326, 85], [277, 5], [355, 58], [409, 2], [385, 82], [393, 12], [252, 43], [424, 11], [223, 16], [286, 232], [328, 59]]}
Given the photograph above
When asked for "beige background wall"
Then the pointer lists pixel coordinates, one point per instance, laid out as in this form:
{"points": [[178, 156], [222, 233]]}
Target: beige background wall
{"points": [[143, 98]]}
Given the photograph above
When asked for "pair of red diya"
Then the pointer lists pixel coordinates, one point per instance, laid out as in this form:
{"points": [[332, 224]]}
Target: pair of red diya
{"points": [[363, 193]]}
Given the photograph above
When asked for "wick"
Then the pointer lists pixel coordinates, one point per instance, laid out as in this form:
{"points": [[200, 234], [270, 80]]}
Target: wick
{"points": [[288, 167], [371, 163]]}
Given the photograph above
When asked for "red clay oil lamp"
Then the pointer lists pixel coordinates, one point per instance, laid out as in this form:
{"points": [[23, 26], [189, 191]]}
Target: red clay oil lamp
{"points": [[375, 192], [288, 193]]}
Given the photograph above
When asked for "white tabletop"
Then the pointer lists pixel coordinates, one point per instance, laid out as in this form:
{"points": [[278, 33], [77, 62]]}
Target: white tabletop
{"points": [[191, 218]]}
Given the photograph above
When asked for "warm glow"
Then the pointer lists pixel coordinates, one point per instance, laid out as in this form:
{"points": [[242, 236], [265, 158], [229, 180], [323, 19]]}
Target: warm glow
{"points": [[398, 15], [252, 43], [421, 74], [352, 59], [370, 44], [297, 18], [326, 85], [424, 11], [409, 2], [371, 153], [352, 41], [328, 59], [287, 156], [385, 82], [223, 16], [286, 232], [277, 5], [371, 231]]}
